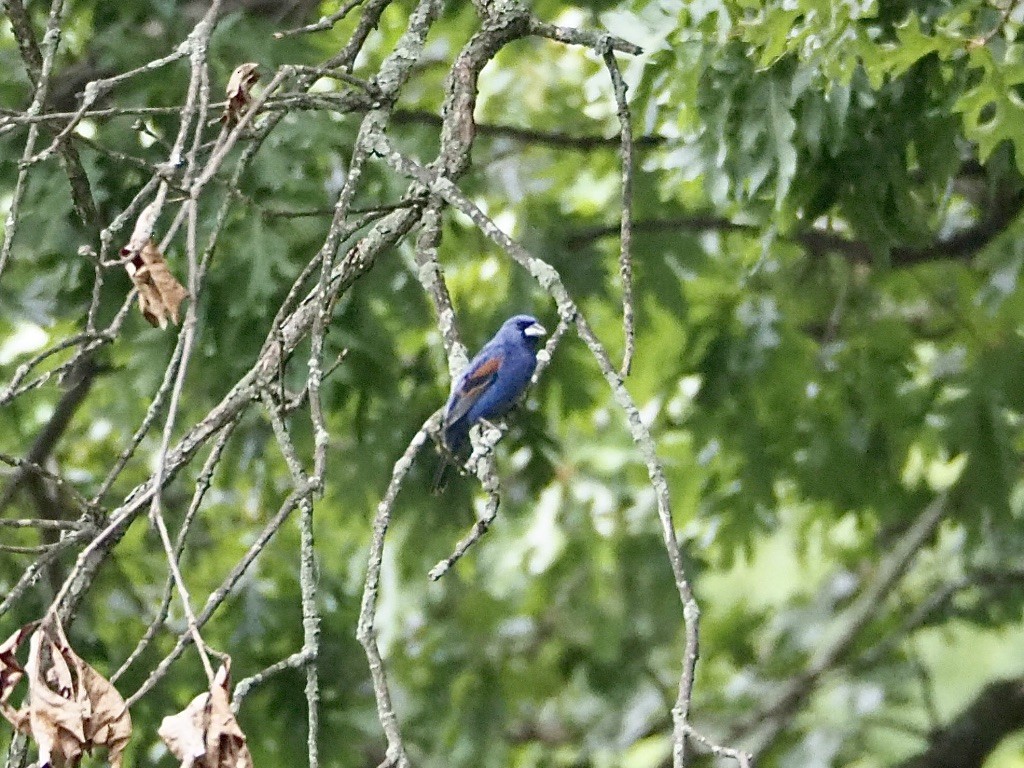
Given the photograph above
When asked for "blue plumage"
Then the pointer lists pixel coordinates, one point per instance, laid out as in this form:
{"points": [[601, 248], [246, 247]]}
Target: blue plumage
{"points": [[492, 382]]}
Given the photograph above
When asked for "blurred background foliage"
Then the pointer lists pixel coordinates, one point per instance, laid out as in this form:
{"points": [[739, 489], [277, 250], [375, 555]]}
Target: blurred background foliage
{"points": [[827, 254]]}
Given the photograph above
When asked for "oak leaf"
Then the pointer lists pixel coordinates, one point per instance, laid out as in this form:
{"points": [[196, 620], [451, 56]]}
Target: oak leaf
{"points": [[160, 293], [205, 734]]}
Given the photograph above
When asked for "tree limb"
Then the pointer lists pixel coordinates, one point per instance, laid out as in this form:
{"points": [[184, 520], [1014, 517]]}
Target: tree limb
{"points": [[963, 245], [80, 378], [968, 740], [579, 142], [768, 721]]}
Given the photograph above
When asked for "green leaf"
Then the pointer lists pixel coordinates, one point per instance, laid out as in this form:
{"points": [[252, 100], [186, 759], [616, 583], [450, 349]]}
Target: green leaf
{"points": [[992, 110], [783, 127]]}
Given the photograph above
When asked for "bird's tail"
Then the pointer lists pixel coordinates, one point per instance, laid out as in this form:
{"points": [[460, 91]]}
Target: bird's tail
{"points": [[440, 475]]}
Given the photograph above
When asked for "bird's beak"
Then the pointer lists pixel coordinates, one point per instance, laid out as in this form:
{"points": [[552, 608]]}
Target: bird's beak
{"points": [[535, 330]]}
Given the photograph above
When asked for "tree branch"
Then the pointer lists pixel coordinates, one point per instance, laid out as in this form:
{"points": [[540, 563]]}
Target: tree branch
{"points": [[80, 379], [968, 740], [578, 142], [963, 245], [769, 720]]}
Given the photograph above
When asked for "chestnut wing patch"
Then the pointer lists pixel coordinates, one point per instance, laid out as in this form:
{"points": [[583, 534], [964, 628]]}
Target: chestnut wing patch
{"points": [[472, 387]]}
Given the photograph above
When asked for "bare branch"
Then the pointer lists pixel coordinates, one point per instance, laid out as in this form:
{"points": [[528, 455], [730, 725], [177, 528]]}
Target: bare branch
{"points": [[554, 139], [202, 486], [770, 719], [549, 279], [967, 741], [584, 37], [325, 22], [626, 230], [366, 632], [962, 245]]}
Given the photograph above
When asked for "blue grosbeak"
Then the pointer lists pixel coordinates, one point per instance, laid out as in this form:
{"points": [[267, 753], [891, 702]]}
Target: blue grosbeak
{"points": [[491, 383]]}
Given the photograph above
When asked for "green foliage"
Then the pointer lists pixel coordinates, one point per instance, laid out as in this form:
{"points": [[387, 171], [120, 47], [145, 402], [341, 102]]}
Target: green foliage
{"points": [[816, 358]]}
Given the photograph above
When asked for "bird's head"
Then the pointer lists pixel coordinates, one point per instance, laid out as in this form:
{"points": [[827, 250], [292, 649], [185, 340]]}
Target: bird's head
{"points": [[527, 327]]}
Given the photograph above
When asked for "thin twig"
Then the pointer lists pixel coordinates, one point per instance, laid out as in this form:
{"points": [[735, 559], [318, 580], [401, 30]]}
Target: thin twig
{"points": [[586, 142], [35, 549], [482, 462], [549, 279], [53, 525], [27, 466], [431, 277], [244, 687], [324, 23], [31, 573], [310, 628], [307, 574], [98, 88], [40, 72], [202, 486], [194, 113], [152, 411], [587, 38], [771, 718], [365, 632], [24, 369], [218, 595], [626, 236], [743, 759]]}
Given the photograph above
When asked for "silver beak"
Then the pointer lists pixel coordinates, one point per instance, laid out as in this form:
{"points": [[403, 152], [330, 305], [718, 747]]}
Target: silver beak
{"points": [[535, 330]]}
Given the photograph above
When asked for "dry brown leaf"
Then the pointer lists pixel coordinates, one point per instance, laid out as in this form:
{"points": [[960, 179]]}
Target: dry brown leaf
{"points": [[110, 724], [185, 733], [70, 707], [160, 293], [206, 733], [11, 672], [240, 84], [144, 226]]}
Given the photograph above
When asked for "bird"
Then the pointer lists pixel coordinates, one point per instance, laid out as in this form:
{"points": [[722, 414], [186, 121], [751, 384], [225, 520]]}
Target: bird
{"points": [[490, 385]]}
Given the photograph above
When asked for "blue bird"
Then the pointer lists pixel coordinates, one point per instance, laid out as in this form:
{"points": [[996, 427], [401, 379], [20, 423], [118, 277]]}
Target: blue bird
{"points": [[491, 384]]}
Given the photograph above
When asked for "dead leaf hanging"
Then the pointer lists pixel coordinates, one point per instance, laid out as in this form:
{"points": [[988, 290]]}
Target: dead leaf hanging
{"points": [[110, 724], [143, 230], [160, 293], [70, 708], [239, 87], [11, 671], [205, 734]]}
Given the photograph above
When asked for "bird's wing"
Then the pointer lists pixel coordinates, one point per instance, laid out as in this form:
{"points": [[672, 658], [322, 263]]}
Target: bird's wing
{"points": [[471, 386]]}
